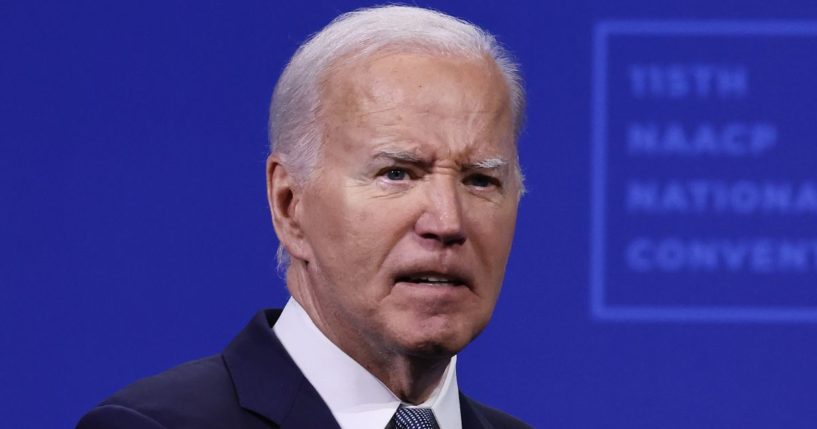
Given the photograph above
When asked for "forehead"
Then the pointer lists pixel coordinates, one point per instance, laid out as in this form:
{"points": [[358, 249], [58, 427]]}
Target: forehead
{"points": [[418, 98]]}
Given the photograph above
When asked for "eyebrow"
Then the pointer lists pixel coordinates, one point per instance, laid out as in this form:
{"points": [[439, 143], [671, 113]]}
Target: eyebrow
{"points": [[409, 157], [489, 164], [402, 156], [398, 155]]}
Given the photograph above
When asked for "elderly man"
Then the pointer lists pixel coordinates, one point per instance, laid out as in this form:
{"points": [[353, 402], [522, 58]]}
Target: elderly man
{"points": [[393, 185]]}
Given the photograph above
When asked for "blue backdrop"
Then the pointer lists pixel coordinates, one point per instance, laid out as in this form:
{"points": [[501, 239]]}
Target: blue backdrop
{"points": [[663, 273]]}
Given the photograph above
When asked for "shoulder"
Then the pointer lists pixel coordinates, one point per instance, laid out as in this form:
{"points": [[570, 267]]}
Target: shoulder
{"points": [[196, 381], [496, 418], [195, 394]]}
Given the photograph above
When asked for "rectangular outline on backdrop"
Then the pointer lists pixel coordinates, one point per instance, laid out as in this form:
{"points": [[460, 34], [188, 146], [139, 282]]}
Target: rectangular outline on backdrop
{"points": [[598, 205]]}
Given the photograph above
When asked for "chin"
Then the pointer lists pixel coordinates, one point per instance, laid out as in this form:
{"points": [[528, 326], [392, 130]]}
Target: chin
{"points": [[438, 343], [430, 350]]}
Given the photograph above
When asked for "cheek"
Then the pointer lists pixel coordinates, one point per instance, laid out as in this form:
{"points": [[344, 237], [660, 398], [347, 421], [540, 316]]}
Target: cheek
{"points": [[353, 233], [375, 228], [492, 233]]}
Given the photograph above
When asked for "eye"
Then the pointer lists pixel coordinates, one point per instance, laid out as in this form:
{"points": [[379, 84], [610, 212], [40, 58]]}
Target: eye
{"points": [[396, 174], [481, 181]]}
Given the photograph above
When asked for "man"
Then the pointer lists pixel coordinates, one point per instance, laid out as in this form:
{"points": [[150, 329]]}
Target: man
{"points": [[393, 184]]}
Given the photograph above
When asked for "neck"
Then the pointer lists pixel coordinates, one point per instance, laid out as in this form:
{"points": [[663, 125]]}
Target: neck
{"points": [[412, 378]]}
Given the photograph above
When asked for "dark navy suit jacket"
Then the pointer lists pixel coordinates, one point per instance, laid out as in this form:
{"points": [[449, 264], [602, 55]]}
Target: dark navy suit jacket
{"points": [[252, 384]]}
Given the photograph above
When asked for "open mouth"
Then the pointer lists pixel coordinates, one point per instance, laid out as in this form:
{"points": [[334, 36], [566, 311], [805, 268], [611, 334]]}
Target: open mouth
{"points": [[432, 279]]}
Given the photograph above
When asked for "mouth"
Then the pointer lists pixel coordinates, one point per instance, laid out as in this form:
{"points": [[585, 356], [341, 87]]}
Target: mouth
{"points": [[433, 279]]}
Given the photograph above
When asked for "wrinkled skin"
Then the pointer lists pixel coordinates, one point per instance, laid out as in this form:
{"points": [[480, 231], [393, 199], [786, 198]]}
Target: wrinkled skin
{"points": [[400, 237]]}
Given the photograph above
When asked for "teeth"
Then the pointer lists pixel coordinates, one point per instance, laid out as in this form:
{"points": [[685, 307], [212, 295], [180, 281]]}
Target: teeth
{"points": [[431, 279], [434, 279], [440, 279]]}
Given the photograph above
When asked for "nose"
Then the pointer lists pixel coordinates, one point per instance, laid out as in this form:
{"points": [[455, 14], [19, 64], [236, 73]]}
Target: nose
{"points": [[441, 221]]}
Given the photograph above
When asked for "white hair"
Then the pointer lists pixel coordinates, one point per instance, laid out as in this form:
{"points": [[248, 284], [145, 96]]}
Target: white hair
{"points": [[294, 132]]}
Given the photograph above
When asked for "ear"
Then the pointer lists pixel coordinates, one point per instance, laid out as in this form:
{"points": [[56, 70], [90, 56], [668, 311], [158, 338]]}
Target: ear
{"points": [[284, 197]]}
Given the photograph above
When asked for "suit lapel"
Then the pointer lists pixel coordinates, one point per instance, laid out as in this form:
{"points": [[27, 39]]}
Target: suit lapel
{"points": [[268, 382], [472, 417]]}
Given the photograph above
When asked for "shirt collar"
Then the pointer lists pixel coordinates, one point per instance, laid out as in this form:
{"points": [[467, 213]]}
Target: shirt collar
{"points": [[356, 398]]}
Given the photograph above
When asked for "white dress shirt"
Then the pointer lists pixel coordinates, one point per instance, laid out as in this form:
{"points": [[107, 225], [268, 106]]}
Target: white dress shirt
{"points": [[356, 398]]}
